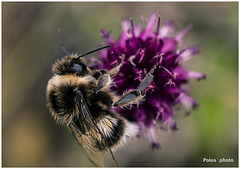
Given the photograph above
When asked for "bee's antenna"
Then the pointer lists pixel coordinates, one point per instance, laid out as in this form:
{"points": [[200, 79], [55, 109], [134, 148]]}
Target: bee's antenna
{"points": [[94, 50], [61, 37]]}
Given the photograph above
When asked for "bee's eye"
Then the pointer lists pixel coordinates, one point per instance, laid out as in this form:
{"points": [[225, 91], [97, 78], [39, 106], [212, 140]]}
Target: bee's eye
{"points": [[76, 67]]}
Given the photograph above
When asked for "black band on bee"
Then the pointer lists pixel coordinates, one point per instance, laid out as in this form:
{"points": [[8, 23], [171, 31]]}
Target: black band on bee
{"points": [[112, 127], [105, 97], [117, 133]]}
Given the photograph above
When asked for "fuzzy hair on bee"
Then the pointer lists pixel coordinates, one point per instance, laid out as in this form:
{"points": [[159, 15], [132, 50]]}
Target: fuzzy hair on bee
{"points": [[82, 99]]}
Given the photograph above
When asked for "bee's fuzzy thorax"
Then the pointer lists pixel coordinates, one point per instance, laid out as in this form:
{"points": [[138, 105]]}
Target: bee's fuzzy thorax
{"points": [[60, 95]]}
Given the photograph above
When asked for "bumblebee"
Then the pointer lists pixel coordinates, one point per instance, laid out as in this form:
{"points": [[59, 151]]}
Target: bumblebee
{"points": [[82, 99]]}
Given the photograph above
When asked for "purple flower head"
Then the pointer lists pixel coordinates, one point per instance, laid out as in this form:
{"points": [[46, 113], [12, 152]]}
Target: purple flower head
{"points": [[142, 48]]}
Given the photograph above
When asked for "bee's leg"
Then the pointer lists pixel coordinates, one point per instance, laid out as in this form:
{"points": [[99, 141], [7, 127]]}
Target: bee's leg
{"points": [[136, 95], [105, 79], [113, 158], [114, 71]]}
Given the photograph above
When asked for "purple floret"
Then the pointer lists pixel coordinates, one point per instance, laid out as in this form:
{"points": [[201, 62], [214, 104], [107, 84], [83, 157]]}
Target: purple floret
{"points": [[142, 49]]}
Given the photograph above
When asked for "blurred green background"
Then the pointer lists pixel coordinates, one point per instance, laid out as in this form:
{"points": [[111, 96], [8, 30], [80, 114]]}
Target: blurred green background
{"points": [[31, 43]]}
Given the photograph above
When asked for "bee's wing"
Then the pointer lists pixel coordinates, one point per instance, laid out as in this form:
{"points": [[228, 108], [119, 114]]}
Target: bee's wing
{"points": [[89, 142], [86, 115], [92, 123], [89, 145]]}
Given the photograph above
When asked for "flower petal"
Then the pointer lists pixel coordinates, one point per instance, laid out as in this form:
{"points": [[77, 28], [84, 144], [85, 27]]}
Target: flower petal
{"points": [[187, 53], [187, 102], [125, 32], [151, 135], [196, 75], [148, 32], [169, 45], [166, 29], [106, 35], [180, 35]]}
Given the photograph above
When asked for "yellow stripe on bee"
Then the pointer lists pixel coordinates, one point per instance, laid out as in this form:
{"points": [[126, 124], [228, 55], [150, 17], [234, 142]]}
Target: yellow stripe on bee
{"points": [[106, 125], [69, 80]]}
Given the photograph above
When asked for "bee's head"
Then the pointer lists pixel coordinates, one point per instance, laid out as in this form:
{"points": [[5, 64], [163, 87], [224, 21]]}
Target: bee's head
{"points": [[70, 64], [73, 64]]}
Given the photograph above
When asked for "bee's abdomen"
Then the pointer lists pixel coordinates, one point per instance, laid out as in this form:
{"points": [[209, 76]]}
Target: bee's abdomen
{"points": [[116, 134], [116, 130], [111, 131]]}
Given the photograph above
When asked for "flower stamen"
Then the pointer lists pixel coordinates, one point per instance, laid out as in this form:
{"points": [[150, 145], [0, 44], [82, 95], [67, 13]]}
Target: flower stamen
{"points": [[142, 53], [132, 26], [115, 61], [158, 25], [130, 59], [167, 71]]}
